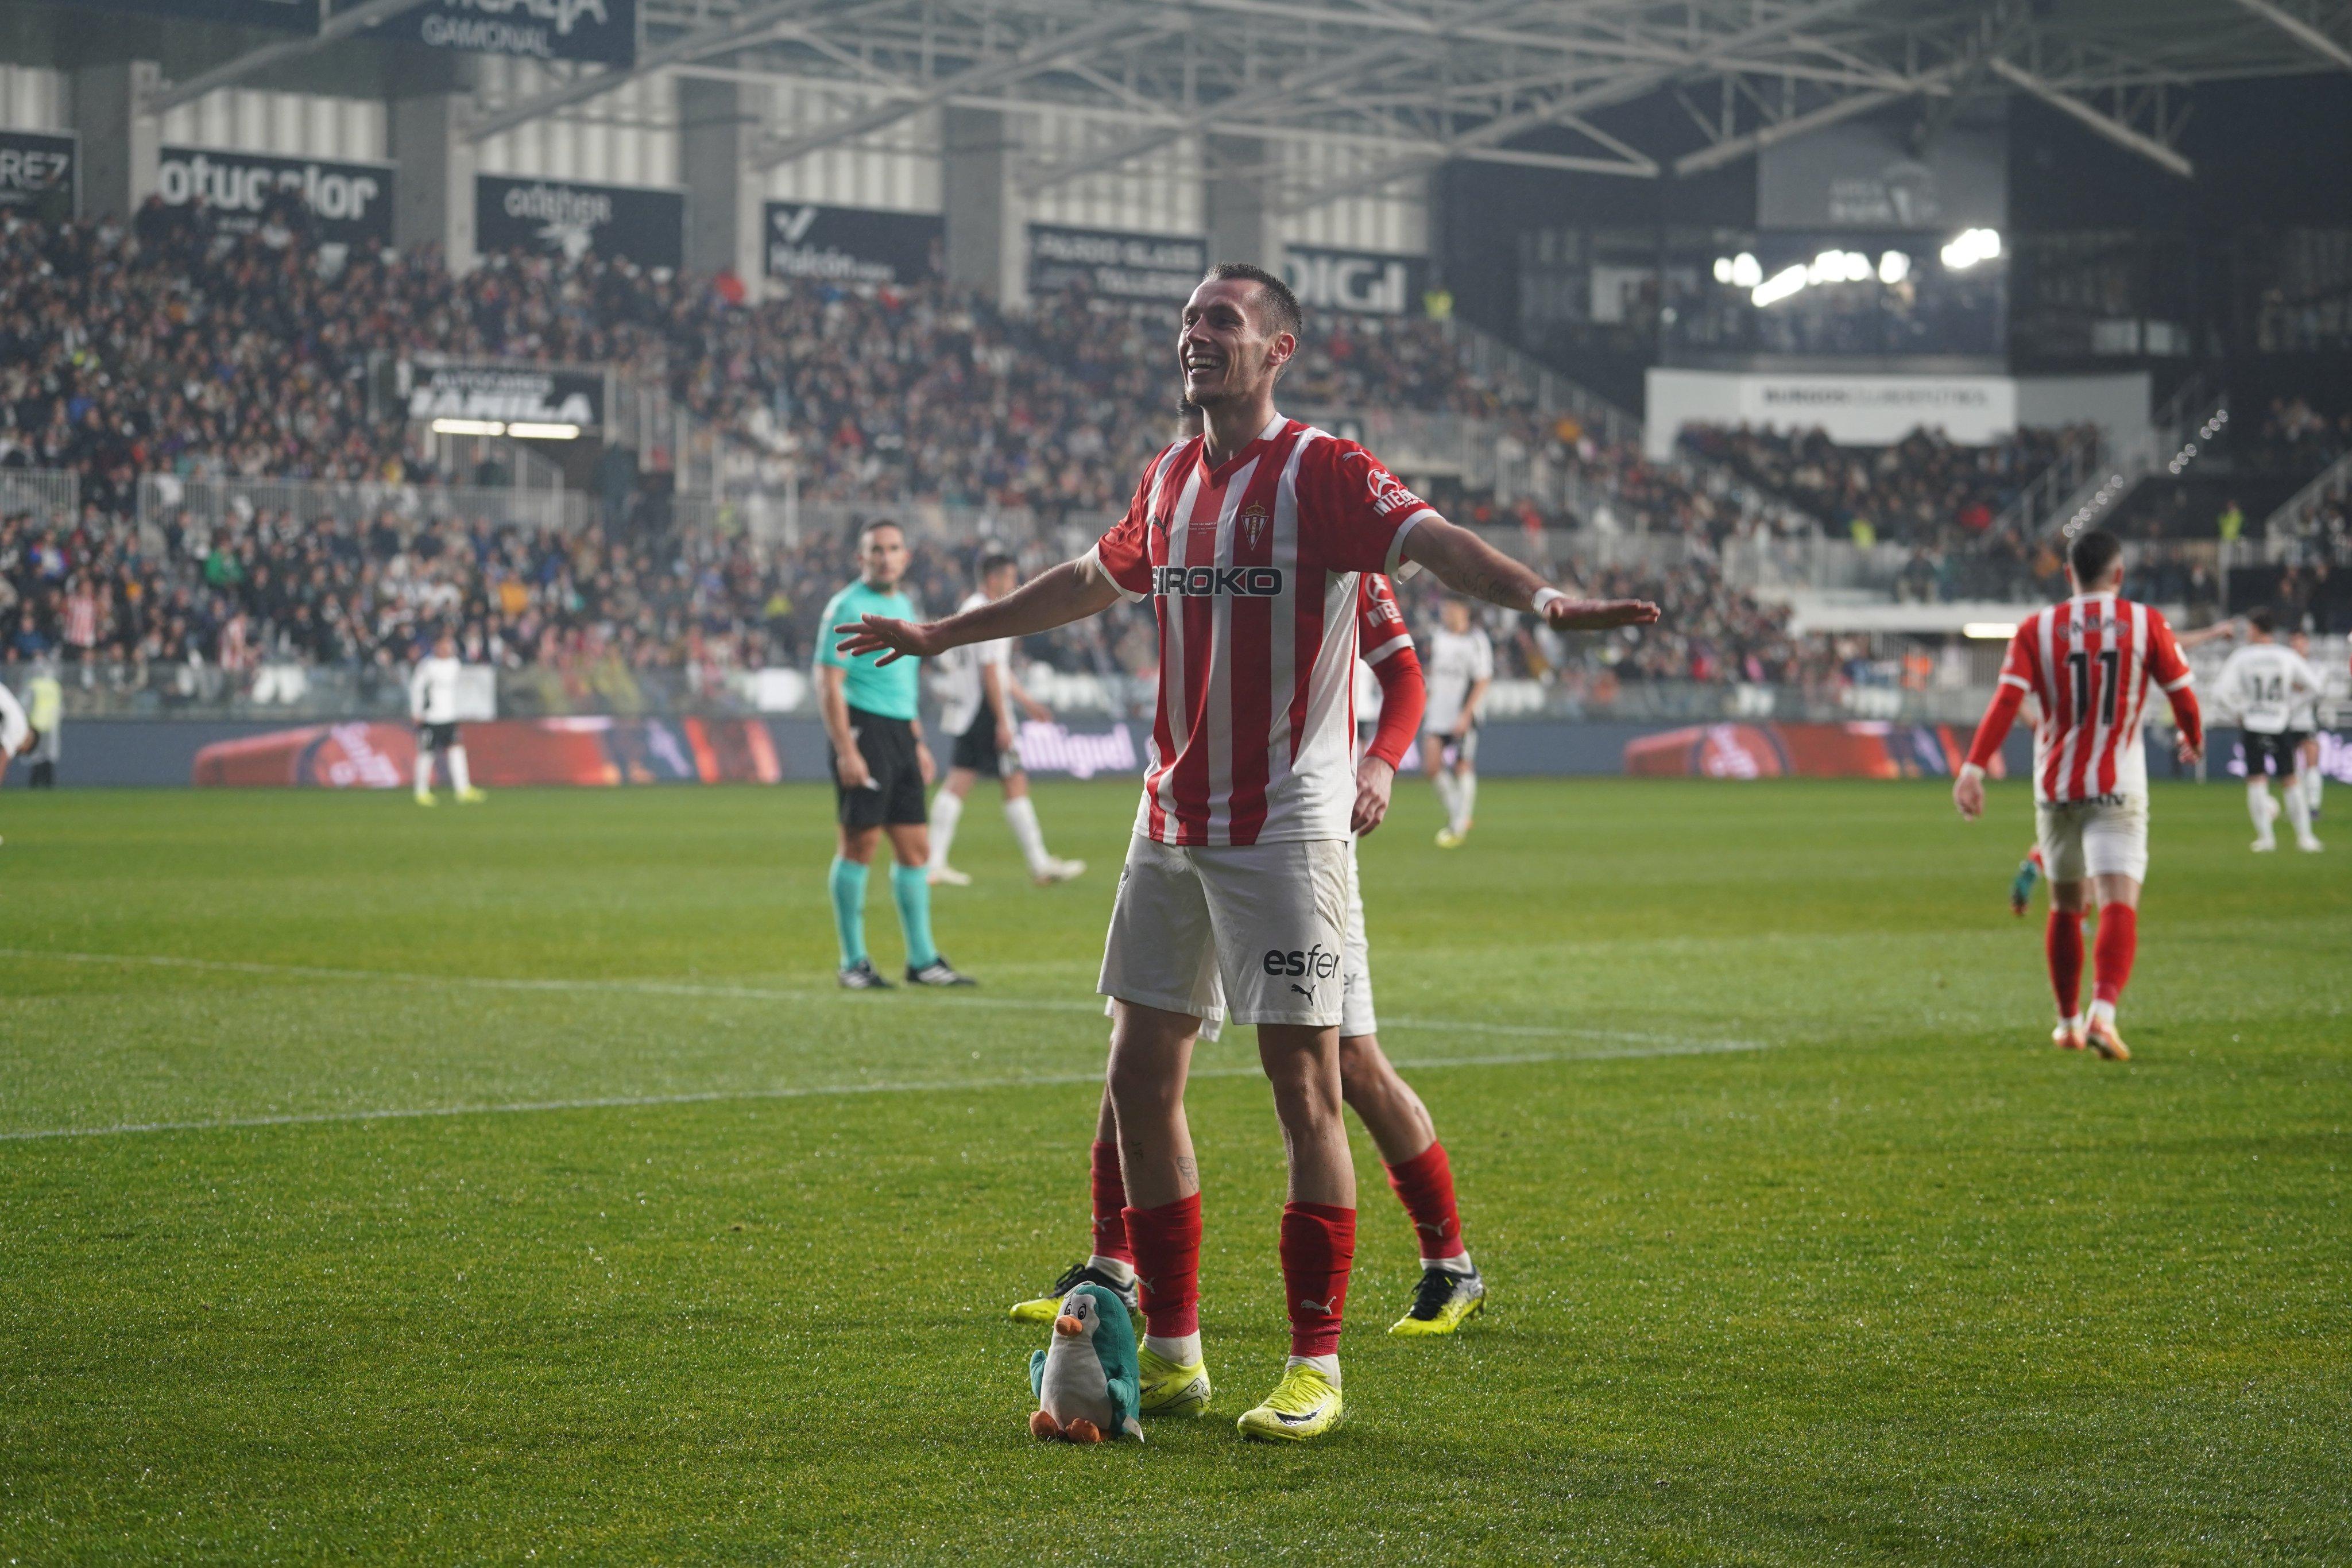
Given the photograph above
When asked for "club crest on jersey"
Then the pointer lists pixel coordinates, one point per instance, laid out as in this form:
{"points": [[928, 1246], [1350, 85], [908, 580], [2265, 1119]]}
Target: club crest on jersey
{"points": [[1251, 520], [1206, 581]]}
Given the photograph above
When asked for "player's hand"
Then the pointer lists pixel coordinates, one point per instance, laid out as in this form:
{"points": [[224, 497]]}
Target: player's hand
{"points": [[1004, 736], [851, 770], [1967, 795], [1599, 615], [1375, 783], [32, 738], [2190, 752], [895, 639], [1036, 710], [930, 769]]}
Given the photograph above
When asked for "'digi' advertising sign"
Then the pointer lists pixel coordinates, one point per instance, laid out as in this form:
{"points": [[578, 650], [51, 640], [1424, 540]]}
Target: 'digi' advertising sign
{"points": [[39, 175], [352, 202], [603, 30], [570, 219], [1360, 283]]}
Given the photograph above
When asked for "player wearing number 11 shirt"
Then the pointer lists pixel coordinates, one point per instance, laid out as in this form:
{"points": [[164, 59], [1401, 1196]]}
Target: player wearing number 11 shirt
{"points": [[1248, 540], [2089, 665]]}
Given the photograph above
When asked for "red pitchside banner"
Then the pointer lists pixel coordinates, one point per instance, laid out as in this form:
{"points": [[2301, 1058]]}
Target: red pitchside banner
{"points": [[1859, 750], [504, 754]]}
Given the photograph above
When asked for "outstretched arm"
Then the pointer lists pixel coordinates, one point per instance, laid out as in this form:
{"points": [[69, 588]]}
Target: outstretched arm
{"points": [[1468, 564], [1070, 591]]}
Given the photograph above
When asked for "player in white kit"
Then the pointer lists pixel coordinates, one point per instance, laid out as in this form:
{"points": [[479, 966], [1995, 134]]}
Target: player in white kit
{"points": [[2263, 683], [433, 705], [1461, 666], [979, 692], [2309, 719]]}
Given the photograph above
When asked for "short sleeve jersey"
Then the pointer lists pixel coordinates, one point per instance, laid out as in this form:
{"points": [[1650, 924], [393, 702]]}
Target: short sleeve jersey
{"points": [[2264, 683], [1253, 569], [870, 686], [1457, 661], [2087, 664]]}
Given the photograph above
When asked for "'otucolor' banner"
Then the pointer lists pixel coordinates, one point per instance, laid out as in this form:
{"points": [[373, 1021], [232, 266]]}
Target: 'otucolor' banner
{"points": [[40, 175], [851, 244], [352, 202], [1113, 265]]}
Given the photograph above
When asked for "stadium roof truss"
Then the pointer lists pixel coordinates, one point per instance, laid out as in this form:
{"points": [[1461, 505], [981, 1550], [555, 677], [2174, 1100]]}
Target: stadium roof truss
{"points": [[1417, 83]]}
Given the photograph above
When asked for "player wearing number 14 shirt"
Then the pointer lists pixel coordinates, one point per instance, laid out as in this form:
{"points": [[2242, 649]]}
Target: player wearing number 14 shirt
{"points": [[2089, 665], [1248, 540]]}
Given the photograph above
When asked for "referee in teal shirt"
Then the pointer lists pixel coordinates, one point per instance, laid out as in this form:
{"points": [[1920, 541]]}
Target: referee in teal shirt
{"points": [[880, 769]]}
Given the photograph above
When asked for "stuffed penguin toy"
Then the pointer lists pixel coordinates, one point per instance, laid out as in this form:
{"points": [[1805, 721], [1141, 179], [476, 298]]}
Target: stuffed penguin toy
{"points": [[1088, 1381]]}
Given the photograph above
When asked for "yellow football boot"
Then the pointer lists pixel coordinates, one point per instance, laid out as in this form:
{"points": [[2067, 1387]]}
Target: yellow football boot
{"points": [[1304, 1405], [1169, 1389], [1043, 1310], [1443, 1304]]}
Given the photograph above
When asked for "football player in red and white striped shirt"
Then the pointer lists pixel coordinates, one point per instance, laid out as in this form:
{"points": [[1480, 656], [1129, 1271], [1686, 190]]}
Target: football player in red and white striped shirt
{"points": [[2088, 664], [1249, 540]]}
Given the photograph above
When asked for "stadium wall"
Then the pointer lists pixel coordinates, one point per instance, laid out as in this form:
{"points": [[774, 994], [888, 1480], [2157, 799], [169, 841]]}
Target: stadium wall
{"points": [[606, 751]]}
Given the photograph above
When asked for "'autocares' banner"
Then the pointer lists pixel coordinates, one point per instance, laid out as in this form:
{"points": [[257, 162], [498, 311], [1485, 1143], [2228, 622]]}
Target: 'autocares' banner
{"points": [[1115, 266], [603, 30], [514, 394], [352, 202], [567, 218], [40, 175], [290, 16], [1357, 281], [851, 244]]}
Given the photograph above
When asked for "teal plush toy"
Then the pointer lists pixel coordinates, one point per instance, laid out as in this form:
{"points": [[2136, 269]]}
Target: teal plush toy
{"points": [[1087, 1381]]}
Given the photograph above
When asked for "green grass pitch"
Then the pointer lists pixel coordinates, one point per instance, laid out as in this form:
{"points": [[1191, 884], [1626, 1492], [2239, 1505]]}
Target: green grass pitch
{"points": [[511, 1184]]}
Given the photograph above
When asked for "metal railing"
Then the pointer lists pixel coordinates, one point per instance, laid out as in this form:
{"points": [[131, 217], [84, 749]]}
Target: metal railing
{"points": [[2289, 519], [2188, 418], [45, 492], [1492, 360]]}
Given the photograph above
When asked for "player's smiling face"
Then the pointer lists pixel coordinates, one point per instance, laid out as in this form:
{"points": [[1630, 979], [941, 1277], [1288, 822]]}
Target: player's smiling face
{"points": [[1226, 350]]}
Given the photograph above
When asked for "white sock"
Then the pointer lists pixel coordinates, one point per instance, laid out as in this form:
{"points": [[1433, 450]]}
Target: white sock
{"points": [[1117, 1267], [2258, 807], [2298, 811], [2103, 1012], [460, 778], [1022, 814], [424, 771], [2074, 1022], [1465, 790], [946, 809], [1182, 1349], [1458, 1264], [1449, 795], [2314, 781], [1328, 1366]]}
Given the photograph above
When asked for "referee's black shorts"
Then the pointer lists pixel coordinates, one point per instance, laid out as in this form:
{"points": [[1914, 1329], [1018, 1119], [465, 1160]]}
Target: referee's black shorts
{"points": [[976, 747], [895, 796], [436, 737], [2272, 755]]}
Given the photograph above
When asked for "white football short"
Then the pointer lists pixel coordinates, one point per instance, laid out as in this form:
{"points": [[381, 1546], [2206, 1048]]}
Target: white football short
{"points": [[1356, 1015], [2094, 837], [1258, 931]]}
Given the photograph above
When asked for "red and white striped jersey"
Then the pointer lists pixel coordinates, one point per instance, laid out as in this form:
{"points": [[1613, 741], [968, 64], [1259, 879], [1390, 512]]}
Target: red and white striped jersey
{"points": [[1253, 567], [2087, 664]]}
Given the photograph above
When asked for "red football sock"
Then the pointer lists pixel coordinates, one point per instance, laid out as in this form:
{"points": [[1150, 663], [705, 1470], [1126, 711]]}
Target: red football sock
{"points": [[1110, 1204], [1424, 1185], [2112, 955], [1319, 1244], [1167, 1242], [2063, 941]]}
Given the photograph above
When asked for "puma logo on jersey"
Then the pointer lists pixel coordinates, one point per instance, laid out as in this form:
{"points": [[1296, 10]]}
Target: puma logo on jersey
{"points": [[1207, 581], [1307, 992]]}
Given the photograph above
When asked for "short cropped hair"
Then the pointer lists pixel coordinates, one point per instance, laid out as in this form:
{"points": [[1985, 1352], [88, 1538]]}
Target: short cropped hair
{"points": [[2093, 554], [872, 524], [2262, 620], [1280, 302], [991, 562]]}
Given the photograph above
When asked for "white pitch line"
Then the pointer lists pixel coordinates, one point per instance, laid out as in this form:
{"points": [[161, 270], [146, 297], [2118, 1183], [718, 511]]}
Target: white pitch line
{"points": [[808, 1092], [762, 993]]}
